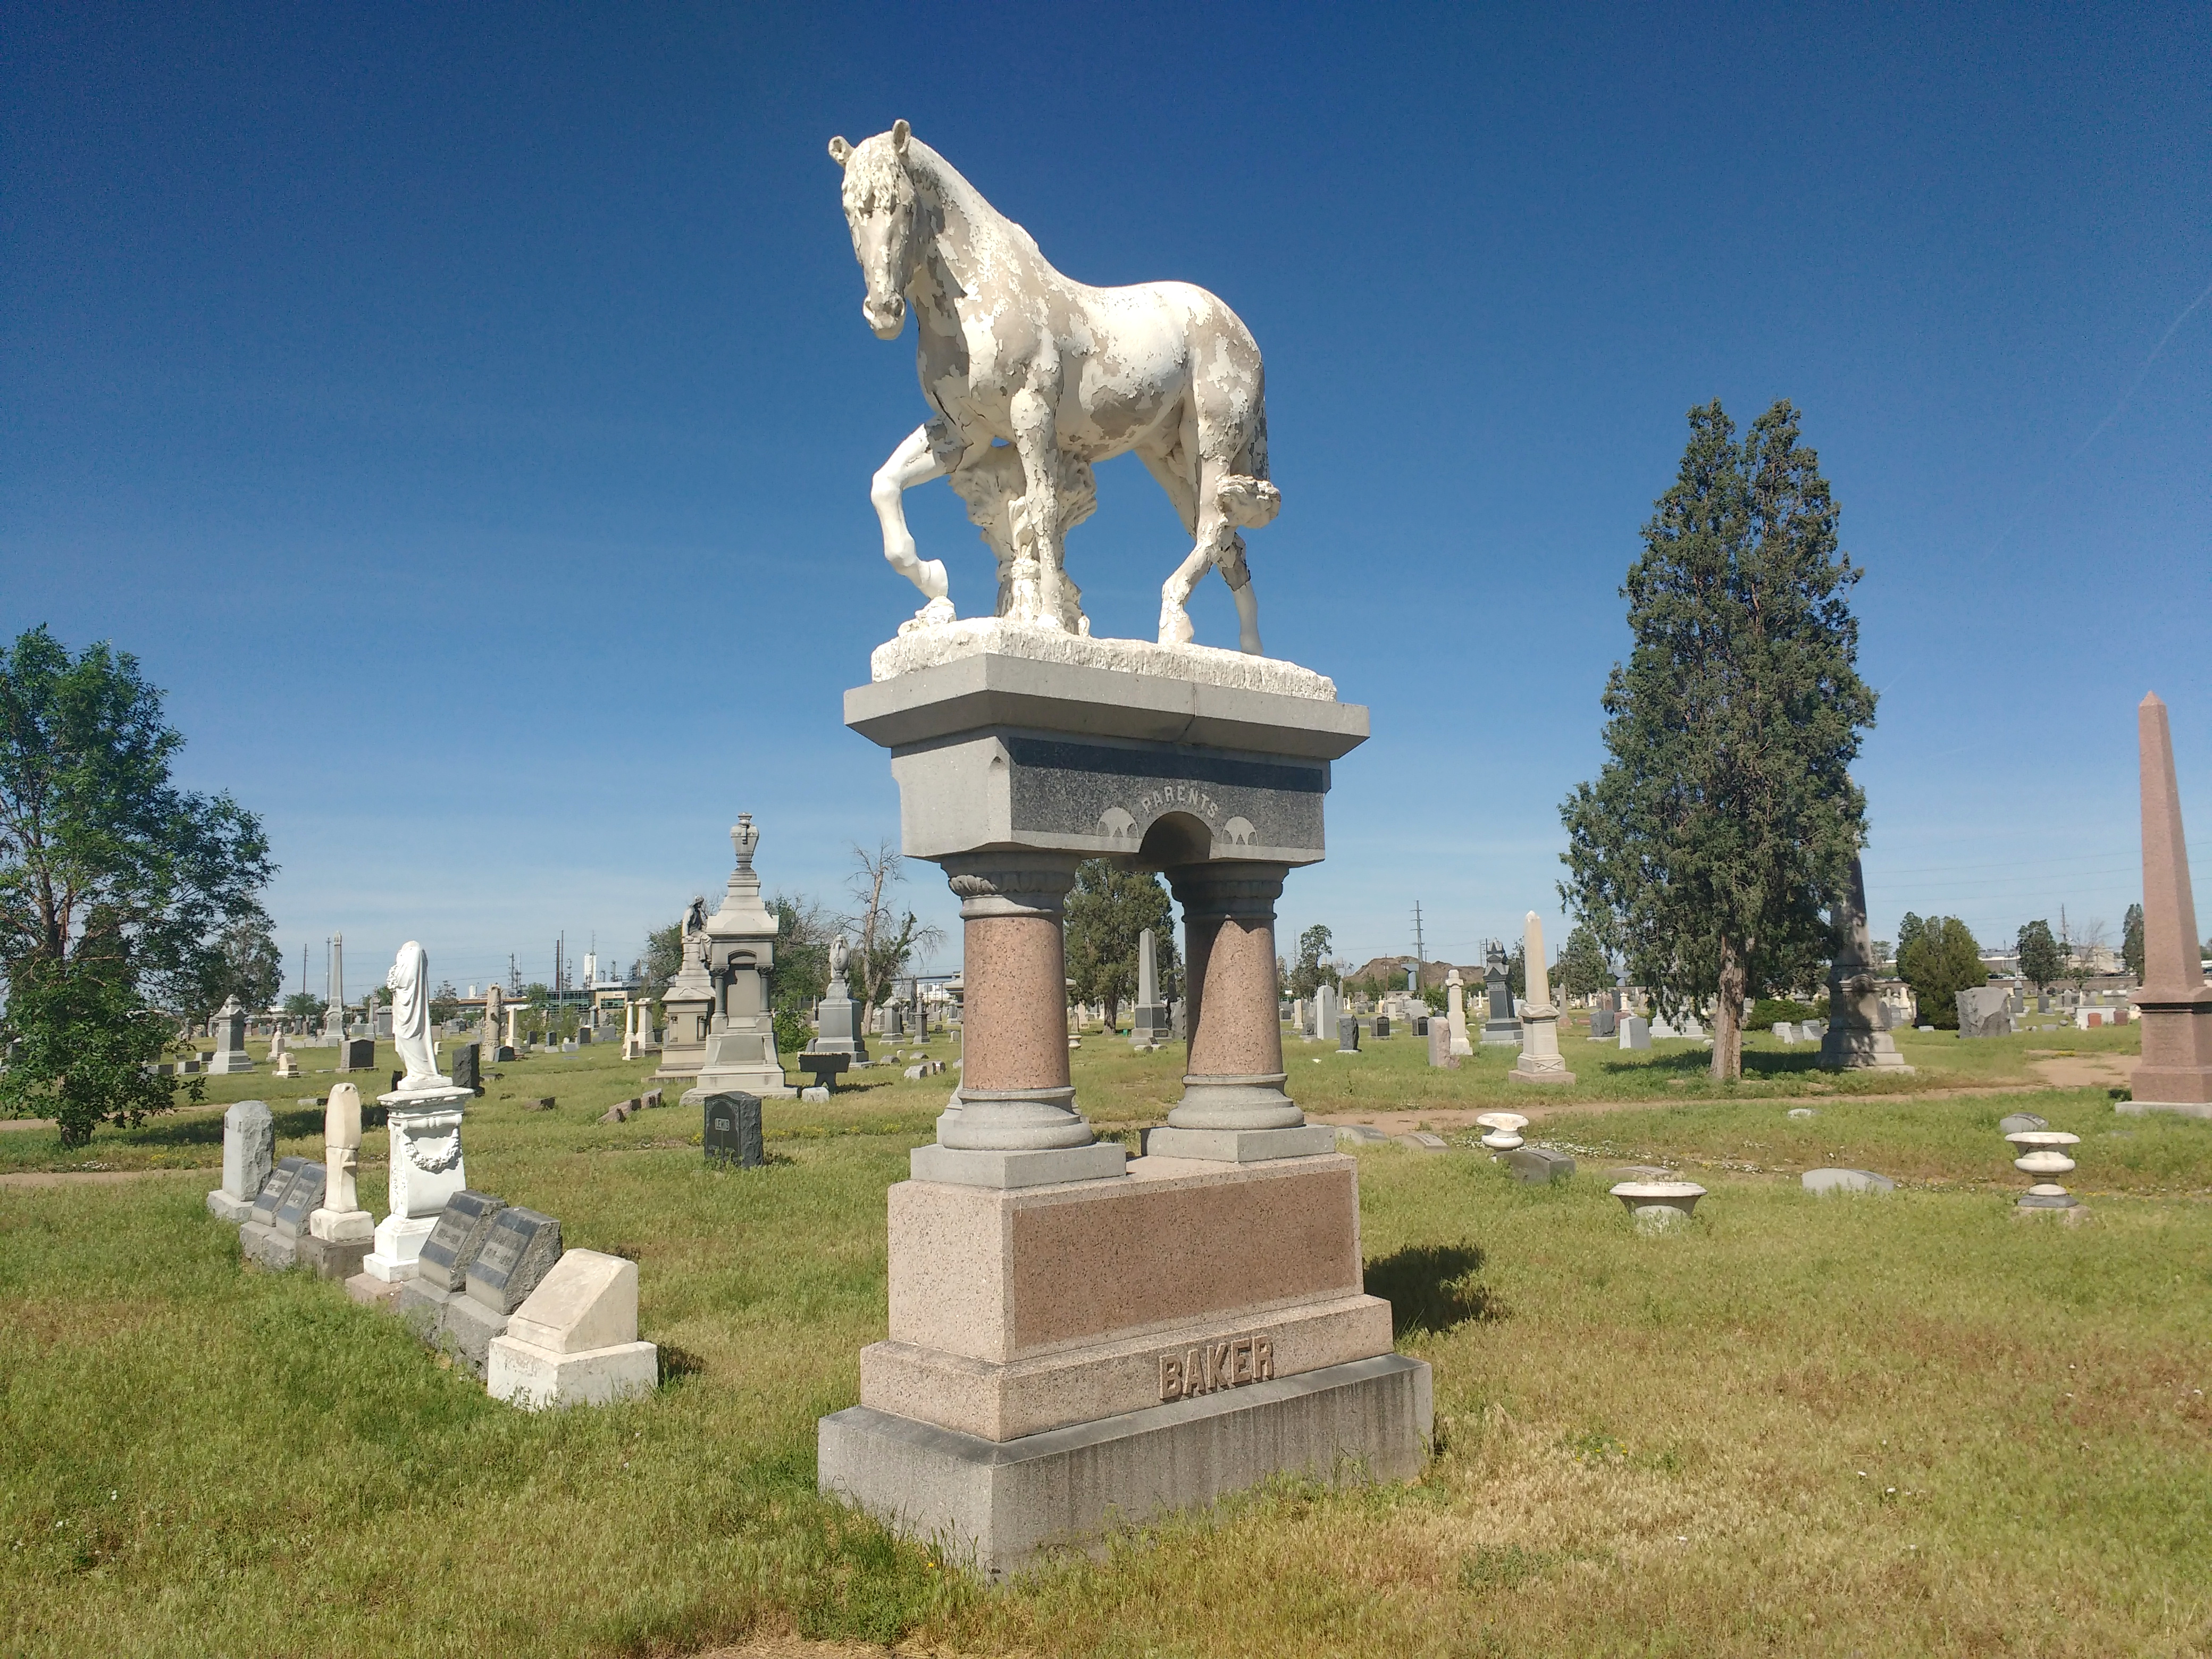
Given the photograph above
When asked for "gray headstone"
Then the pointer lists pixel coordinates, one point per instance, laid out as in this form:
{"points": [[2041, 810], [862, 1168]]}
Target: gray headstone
{"points": [[1846, 1181], [733, 1129], [1604, 1022], [1422, 1141], [2020, 1123], [301, 1200], [452, 1247], [249, 1148], [1381, 1025], [1538, 1165], [520, 1250], [1983, 1012], [1347, 1035], [1635, 1032], [1365, 1134], [467, 1066]]}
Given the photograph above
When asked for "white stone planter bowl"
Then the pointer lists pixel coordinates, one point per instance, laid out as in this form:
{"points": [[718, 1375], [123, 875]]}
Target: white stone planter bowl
{"points": [[1505, 1129], [1656, 1204], [2040, 1153]]}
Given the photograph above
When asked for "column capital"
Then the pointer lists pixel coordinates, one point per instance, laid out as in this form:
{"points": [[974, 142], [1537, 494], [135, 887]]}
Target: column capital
{"points": [[1229, 888], [1010, 884]]}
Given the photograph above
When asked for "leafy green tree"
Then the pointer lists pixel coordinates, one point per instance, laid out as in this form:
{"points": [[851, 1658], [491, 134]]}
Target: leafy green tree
{"points": [[1584, 970], [1311, 968], [802, 964], [305, 1006], [445, 1002], [2041, 961], [1941, 961], [1517, 970], [117, 888], [1106, 912], [245, 963], [2131, 942], [1724, 821]]}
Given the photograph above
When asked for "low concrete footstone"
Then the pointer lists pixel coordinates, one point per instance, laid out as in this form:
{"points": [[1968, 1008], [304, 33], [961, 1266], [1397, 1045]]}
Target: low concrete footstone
{"points": [[1845, 1180], [1538, 1165], [574, 1341]]}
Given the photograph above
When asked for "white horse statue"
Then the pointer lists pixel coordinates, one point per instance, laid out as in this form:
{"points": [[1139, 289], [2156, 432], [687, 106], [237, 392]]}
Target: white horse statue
{"points": [[1035, 378]]}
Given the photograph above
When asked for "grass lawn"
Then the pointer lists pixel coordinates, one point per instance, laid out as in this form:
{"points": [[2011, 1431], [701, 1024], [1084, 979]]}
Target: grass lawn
{"points": [[1908, 1424]]}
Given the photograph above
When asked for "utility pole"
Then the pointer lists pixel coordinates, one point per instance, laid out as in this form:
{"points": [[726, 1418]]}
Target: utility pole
{"points": [[1420, 950]]}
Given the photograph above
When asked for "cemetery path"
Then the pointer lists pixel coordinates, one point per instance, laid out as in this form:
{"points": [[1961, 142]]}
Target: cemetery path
{"points": [[2085, 1071], [798, 1647], [8, 1123], [23, 1178]]}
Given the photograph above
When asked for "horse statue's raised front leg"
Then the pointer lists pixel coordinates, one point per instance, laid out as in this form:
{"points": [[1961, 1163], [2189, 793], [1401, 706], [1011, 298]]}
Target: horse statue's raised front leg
{"points": [[914, 461]]}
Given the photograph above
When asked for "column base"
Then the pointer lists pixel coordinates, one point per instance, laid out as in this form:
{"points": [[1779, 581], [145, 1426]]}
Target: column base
{"points": [[1241, 1145], [2184, 1108], [992, 1505], [1843, 1051], [398, 1247], [1562, 1075], [1050, 1166]]}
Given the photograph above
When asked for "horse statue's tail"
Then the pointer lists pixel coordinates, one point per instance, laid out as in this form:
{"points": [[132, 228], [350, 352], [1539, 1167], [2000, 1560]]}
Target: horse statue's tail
{"points": [[1248, 500]]}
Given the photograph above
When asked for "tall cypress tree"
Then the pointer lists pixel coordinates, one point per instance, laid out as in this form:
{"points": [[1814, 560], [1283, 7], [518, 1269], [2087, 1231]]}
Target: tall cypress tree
{"points": [[1725, 818]]}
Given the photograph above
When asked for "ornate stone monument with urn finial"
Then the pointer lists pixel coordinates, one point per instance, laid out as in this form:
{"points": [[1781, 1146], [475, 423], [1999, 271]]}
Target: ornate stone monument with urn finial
{"points": [[740, 954], [1078, 1339]]}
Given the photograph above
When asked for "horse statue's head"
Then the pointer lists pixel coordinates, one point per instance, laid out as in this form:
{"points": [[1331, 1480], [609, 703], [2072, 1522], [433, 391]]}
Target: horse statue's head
{"points": [[879, 209]]}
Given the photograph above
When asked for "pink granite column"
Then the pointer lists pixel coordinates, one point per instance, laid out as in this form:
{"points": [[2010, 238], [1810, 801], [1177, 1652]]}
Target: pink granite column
{"points": [[1234, 1074], [1014, 1093], [2175, 1073]]}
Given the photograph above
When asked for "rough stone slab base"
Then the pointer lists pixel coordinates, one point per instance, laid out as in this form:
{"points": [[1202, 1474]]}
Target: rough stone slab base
{"points": [[1241, 1145], [993, 1504], [373, 1292], [224, 1206], [467, 1330], [337, 1259], [265, 1247], [1516, 1075], [960, 1166], [2132, 1107], [535, 1378]]}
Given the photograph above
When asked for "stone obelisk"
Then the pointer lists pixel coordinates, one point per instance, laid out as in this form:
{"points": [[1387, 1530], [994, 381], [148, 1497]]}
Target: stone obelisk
{"points": [[1148, 1025], [1854, 1040], [2175, 1073], [1540, 1061]]}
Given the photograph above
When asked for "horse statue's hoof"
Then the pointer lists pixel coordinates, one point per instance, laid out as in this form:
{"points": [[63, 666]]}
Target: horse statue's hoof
{"points": [[1174, 627], [935, 614]]}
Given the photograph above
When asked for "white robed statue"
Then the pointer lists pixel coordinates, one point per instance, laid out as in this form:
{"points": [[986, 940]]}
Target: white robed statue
{"points": [[409, 981]]}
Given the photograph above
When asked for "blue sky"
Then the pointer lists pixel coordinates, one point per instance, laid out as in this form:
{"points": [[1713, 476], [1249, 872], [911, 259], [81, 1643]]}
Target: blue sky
{"points": [[466, 415]]}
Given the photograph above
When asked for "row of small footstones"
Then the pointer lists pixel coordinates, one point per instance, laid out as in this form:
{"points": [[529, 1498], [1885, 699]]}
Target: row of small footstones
{"points": [[493, 1290]]}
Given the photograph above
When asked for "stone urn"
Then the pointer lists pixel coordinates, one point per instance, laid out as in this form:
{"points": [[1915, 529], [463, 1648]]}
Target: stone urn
{"points": [[2042, 1154], [1658, 1205], [1505, 1129]]}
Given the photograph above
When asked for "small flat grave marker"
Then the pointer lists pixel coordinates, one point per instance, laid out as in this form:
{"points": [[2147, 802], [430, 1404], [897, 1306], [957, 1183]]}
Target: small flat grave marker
{"points": [[517, 1252]]}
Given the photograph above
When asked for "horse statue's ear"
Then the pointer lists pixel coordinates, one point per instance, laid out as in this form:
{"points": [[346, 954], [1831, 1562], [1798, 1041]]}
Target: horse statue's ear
{"points": [[900, 133], [840, 151]]}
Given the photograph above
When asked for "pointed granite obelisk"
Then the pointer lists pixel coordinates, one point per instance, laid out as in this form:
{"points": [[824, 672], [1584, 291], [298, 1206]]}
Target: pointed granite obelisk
{"points": [[2175, 1073], [1855, 1038]]}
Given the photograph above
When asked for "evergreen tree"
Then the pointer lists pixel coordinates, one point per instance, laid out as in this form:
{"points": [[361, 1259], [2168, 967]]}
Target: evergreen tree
{"points": [[1109, 907], [1942, 960], [2041, 961], [2131, 942], [1723, 824], [1583, 969]]}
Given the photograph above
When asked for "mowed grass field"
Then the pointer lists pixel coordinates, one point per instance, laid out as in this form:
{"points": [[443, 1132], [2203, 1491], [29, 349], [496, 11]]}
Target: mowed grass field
{"points": [[1915, 1424]]}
